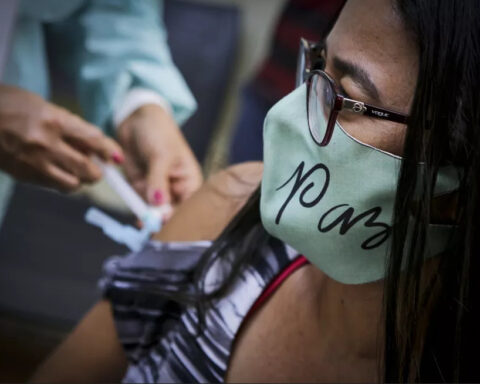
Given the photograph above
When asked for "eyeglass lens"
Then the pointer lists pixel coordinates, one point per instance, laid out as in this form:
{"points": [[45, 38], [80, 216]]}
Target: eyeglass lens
{"points": [[320, 104]]}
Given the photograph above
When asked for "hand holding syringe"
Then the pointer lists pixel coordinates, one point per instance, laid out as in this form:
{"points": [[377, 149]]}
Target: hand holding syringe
{"points": [[124, 190], [151, 217]]}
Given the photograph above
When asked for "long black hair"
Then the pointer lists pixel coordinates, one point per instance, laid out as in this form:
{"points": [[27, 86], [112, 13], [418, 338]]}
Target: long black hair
{"points": [[431, 314], [430, 318]]}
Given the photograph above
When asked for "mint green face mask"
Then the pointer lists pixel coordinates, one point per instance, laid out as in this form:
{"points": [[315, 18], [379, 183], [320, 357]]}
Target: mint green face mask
{"points": [[333, 204]]}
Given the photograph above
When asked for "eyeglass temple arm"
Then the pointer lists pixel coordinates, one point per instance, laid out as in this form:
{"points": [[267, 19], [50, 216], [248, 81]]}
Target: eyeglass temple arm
{"points": [[372, 111], [385, 114]]}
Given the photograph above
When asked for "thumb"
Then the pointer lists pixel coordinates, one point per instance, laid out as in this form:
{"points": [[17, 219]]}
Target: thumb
{"points": [[158, 184]]}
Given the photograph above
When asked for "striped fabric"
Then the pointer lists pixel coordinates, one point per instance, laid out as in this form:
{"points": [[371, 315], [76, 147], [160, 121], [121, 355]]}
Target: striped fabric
{"points": [[160, 336]]}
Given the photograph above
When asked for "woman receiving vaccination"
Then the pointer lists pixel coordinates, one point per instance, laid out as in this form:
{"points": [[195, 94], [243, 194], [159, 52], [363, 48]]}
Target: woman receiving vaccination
{"points": [[355, 261]]}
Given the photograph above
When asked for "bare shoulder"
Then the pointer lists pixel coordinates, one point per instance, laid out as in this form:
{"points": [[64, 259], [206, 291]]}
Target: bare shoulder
{"points": [[210, 209]]}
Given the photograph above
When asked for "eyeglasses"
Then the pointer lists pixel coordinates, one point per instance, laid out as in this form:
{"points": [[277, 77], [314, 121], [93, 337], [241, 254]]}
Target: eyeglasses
{"points": [[324, 99]]}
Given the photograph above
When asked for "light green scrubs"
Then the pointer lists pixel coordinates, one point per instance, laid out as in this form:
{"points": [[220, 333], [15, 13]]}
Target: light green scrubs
{"points": [[107, 46]]}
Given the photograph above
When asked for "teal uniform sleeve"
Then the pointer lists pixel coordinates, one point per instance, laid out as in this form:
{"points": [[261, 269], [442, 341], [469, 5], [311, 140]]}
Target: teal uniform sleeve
{"points": [[123, 44]]}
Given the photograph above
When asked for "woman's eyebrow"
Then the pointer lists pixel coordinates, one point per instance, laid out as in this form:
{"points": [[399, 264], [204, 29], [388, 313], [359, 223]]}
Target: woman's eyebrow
{"points": [[359, 75]]}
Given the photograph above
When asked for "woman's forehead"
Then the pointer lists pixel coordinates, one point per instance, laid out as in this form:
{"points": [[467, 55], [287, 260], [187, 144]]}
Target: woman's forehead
{"points": [[371, 25], [372, 34]]}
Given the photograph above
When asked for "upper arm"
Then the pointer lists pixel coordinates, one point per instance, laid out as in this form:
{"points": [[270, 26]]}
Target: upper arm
{"points": [[91, 353], [212, 207]]}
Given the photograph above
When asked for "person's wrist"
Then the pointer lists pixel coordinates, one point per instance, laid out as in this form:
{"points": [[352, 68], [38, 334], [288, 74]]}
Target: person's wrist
{"points": [[150, 123], [148, 109], [134, 99]]}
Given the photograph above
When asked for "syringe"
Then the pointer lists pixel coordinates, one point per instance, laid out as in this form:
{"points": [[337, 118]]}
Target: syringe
{"points": [[134, 202], [117, 182], [151, 217]]}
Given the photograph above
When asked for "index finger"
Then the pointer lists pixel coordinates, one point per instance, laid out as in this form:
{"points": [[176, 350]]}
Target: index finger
{"points": [[89, 138]]}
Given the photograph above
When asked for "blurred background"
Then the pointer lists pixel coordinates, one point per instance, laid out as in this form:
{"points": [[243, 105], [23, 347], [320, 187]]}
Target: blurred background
{"points": [[50, 259]]}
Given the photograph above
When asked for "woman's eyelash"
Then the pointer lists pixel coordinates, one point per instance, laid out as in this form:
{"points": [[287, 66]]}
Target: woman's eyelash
{"points": [[321, 64]]}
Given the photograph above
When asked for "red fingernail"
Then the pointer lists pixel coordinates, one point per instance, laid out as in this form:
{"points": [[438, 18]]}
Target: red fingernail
{"points": [[117, 158], [158, 197]]}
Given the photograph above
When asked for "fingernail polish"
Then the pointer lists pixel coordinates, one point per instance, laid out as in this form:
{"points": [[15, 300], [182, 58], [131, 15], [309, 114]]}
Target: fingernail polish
{"points": [[158, 197], [117, 158]]}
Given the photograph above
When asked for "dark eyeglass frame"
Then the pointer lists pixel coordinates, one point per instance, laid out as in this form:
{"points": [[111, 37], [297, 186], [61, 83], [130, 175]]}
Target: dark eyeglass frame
{"points": [[310, 63]]}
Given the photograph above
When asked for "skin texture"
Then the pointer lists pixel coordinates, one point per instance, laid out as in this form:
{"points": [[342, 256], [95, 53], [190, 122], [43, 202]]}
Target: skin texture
{"points": [[312, 329], [214, 205], [92, 353], [45, 144], [159, 162], [371, 35]]}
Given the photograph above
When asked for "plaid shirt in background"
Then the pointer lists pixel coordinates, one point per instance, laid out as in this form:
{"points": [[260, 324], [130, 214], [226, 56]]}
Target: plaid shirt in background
{"points": [[310, 19]]}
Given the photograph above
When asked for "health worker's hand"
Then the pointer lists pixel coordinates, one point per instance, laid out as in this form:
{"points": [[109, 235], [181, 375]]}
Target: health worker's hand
{"points": [[158, 161], [45, 144]]}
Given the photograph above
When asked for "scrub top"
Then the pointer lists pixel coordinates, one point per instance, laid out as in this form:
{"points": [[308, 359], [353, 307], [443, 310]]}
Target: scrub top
{"points": [[107, 46]]}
